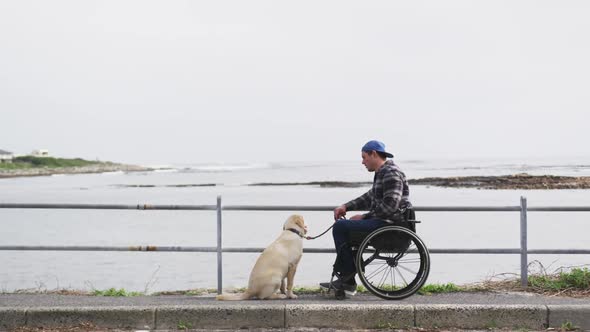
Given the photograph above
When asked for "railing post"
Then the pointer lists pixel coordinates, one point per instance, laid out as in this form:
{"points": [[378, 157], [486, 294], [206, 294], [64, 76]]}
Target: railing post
{"points": [[523, 243], [219, 248]]}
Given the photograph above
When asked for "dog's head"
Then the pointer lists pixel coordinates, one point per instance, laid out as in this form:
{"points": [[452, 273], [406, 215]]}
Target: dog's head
{"points": [[296, 221]]}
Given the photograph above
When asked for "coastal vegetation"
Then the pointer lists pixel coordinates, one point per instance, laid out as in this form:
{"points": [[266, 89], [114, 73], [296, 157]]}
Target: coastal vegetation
{"points": [[26, 162], [40, 166]]}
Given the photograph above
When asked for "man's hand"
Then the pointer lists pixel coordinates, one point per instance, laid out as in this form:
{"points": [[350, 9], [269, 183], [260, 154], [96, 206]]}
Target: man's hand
{"points": [[339, 212], [357, 217]]}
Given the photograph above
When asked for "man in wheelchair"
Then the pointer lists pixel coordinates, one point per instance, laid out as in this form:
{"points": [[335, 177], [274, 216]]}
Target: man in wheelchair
{"points": [[385, 202]]}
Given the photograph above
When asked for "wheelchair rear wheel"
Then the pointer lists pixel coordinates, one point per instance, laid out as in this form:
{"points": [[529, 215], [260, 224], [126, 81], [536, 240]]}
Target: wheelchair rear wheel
{"points": [[392, 262]]}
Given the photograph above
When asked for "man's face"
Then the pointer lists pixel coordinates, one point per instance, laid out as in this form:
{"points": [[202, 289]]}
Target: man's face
{"points": [[370, 160]]}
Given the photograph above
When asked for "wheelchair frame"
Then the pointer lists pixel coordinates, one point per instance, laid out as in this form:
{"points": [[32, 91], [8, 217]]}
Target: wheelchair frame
{"points": [[386, 258]]}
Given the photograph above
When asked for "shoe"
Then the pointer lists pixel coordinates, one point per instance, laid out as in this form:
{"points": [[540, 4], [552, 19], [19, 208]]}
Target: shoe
{"points": [[348, 287]]}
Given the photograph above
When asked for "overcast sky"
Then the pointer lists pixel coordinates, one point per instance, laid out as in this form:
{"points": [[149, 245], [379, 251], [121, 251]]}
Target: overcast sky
{"points": [[249, 81]]}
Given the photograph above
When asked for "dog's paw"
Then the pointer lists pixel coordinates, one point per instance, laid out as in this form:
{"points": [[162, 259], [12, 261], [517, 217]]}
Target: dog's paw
{"points": [[291, 295]]}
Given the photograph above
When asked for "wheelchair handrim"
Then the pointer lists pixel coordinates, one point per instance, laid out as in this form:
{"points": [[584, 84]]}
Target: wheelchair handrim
{"points": [[418, 280]]}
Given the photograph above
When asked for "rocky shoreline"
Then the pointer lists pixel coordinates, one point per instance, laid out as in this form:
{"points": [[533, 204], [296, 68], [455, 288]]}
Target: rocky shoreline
{"points": [[90, 169], [516, 181]]}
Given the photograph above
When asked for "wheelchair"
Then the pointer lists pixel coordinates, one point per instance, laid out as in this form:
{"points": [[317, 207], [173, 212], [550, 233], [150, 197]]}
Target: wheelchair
{"points": [[392, 262]]}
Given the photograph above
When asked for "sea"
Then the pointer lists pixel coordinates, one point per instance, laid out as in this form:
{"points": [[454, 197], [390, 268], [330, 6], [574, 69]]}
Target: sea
{"points": [[202, 183]]}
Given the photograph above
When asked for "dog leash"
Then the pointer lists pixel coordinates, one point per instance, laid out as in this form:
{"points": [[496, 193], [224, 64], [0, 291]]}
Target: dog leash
{"points": [[326, 231]]}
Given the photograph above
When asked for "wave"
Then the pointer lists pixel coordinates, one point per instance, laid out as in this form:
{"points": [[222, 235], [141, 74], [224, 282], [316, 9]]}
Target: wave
{"points": [[113, 173], [224, 168], [500, 168], [182, 185], [166, 170], [322, 184]]}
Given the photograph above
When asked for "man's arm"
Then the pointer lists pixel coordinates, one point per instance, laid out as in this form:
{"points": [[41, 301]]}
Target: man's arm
{"points": [[392, 194], [362, 202]]}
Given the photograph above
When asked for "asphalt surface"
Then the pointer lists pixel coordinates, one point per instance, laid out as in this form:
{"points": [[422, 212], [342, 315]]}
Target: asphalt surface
{"points": [[495, 298]]}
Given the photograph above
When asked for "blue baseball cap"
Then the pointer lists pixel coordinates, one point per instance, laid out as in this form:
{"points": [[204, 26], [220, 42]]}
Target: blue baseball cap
{"points": [[376, 146]]}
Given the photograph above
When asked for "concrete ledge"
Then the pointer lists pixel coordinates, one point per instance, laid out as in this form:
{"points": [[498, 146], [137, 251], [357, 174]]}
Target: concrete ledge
{"points": [[111, 317], [482, 316], [12, 318], [578, 315], [232, 316], [369, 316], [313, 315]]}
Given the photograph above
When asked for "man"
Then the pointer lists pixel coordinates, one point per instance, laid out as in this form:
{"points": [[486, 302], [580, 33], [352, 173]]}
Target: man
{"points": [[389, 194]]}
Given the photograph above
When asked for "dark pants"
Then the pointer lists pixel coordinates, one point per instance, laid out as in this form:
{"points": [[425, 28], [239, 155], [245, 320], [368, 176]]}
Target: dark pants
{"points": [[342, 228]]}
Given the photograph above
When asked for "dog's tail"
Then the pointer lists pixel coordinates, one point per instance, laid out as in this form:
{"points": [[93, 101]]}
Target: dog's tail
{"points": [[233, 297]]}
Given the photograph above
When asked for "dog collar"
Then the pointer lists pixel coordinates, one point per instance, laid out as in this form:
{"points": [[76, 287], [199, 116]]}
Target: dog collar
{"points": [[295, 231]]}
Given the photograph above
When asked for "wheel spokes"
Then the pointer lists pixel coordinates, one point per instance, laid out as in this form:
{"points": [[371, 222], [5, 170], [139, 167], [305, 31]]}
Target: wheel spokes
{"points": [[393, 263], [384, 276], [401, 275]]}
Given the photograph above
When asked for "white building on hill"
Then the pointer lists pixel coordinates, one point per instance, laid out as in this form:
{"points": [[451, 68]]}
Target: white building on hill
{"points": [[40, 153], [6, 157]]}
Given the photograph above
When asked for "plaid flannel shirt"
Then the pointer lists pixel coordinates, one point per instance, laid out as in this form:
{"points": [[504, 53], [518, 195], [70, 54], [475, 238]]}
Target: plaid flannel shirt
{"points": [[390, 192]]}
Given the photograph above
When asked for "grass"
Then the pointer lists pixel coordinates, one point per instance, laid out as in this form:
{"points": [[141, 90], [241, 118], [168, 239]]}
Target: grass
{"points": [[442, 288], [115, 292], [575, 279], [425, 290], [571, 282], [568, 326], [121, 292], [574, 282], [26, 162], [184, 325]]}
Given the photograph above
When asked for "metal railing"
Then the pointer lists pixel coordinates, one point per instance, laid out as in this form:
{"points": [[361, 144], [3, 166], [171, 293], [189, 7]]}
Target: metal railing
{"points": [[523, 250]]}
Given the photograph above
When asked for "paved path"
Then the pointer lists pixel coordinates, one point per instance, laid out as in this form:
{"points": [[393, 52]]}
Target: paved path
{"points": [[459, 310]]}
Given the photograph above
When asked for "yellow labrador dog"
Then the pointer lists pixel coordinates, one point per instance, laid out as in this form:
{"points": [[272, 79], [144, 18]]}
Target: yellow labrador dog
{"points": [[277, 262]]}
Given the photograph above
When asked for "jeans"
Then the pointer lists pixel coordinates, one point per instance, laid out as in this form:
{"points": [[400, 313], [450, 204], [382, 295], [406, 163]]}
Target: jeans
{"points": [[341, 231]]}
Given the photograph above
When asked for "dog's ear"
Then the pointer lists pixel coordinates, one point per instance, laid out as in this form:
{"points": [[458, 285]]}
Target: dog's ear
{"points": [[299, 221]]}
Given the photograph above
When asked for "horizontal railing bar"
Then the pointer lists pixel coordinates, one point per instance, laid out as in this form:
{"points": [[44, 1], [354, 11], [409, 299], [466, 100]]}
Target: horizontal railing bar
{"points": [[475, 251], [467, 208], [256, 250], [276, 207], [237, 207], [110, 248], [558, 251], [559, 208], [331, 208], [106, 206]]}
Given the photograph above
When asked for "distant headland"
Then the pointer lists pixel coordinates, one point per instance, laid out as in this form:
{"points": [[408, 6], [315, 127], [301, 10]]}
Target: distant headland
{"points": [[43, 166]]}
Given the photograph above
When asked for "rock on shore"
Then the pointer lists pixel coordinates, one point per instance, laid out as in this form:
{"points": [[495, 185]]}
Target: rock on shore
{"points": [[517, 181]]}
